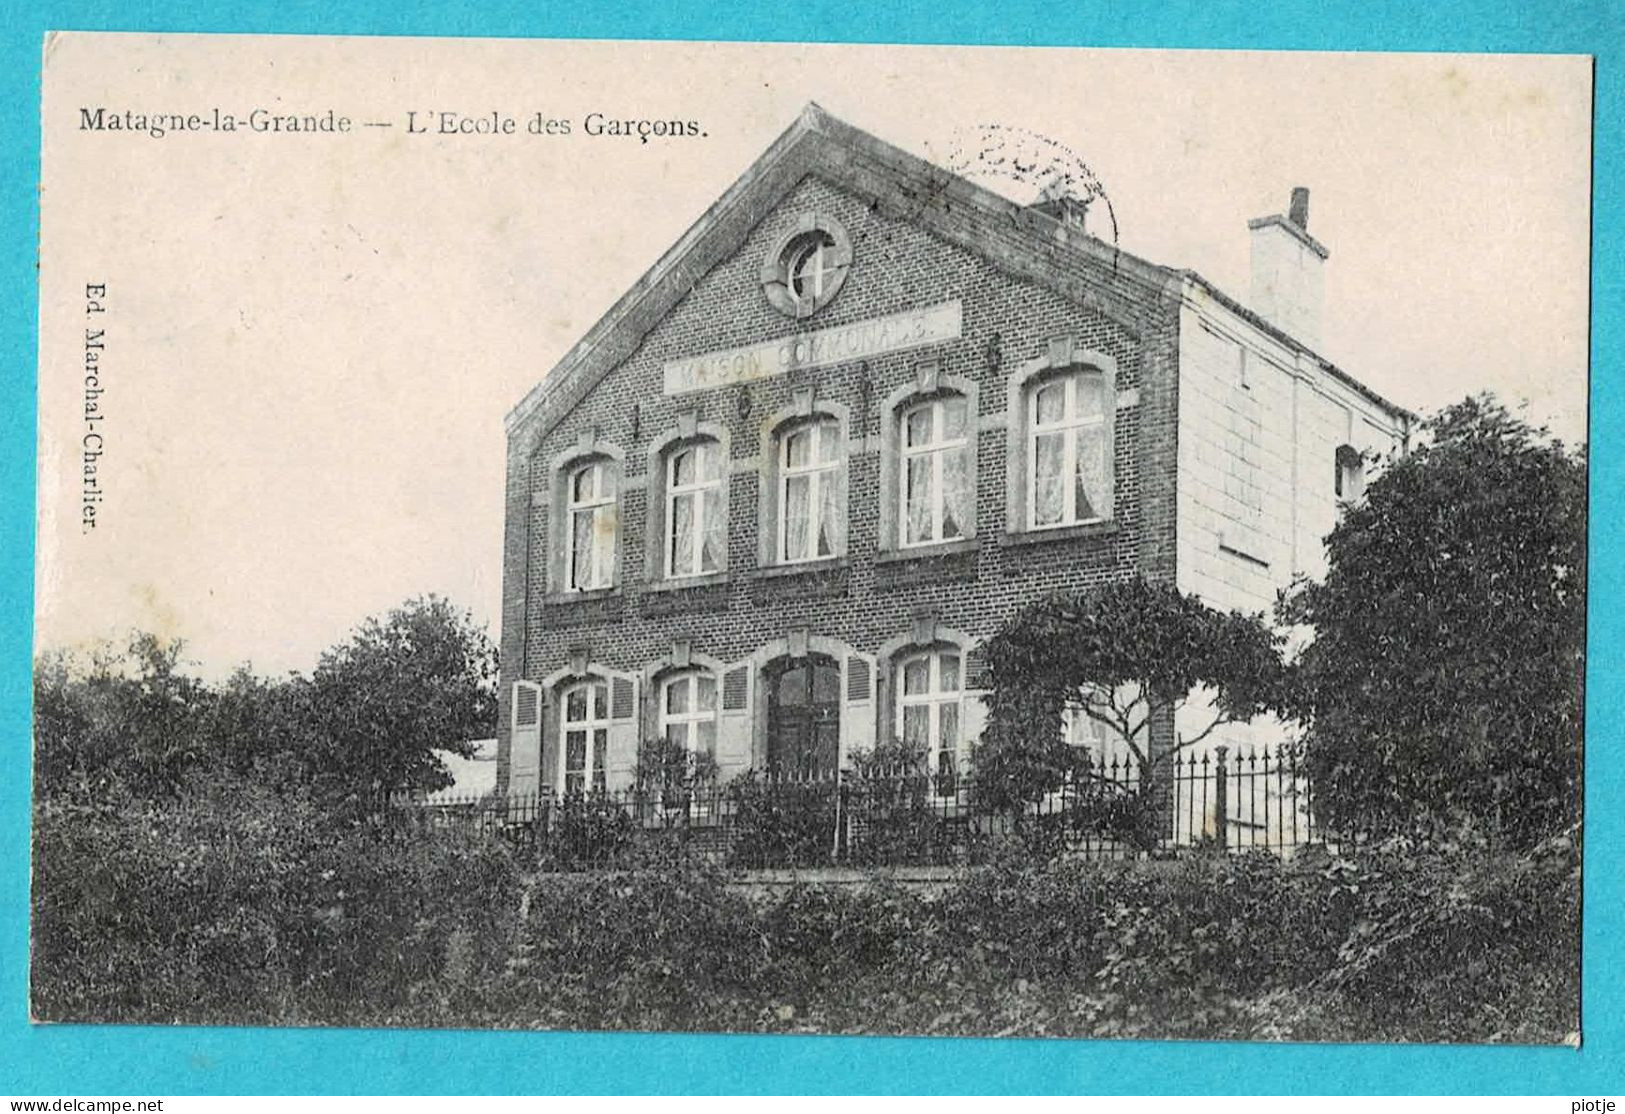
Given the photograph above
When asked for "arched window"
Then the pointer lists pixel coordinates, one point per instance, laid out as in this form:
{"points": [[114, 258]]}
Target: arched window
{"points": [[1102, 744], [1068, 443], [1081, 730], [809, 489], [1349, 477], [688, 713], [583, 758], [930, 706], [590, 552], [696, 523], [936, 495]]}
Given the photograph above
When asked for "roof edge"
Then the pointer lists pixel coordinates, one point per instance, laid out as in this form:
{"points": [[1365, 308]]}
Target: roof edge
{"points": [[1279, 334], [1298, 233], [812, 118]]}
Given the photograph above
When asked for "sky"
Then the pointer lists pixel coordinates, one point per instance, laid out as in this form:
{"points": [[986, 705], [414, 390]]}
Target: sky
{"points": [[312, 339]]}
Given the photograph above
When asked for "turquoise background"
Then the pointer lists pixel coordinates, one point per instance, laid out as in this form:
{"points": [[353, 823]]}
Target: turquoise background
{"points": [[83, 1060]]}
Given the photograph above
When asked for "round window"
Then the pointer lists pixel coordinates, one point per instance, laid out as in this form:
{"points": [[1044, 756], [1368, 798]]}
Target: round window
{"points": [[807, 266], [811, 265]]}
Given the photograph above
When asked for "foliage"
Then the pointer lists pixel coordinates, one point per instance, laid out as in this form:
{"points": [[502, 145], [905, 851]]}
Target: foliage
{"points": [[605, 950], [587, 831], [1444, 682], [366, 722], [128, 717], [1127, 654], [782, 823], [893, 813], [671, 771], [1108, 807], [227, 903], [216, 907], [419, 680]]}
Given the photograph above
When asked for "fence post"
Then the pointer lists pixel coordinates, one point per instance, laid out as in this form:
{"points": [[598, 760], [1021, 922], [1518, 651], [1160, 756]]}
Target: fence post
{"points": [[843, 813], [1221, 799]]}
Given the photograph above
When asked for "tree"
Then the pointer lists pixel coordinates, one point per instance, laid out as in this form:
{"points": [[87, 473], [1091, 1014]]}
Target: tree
{"points": [[367, 721], [1443, 686], [128, 718], [419, 680], [1129, 655]]}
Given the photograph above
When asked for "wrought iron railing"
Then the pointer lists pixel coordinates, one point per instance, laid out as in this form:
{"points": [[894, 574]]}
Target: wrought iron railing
{"points": [[1251, 799]]}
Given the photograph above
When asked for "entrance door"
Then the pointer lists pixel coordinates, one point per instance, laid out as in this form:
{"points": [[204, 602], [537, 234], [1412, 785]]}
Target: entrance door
{"points": [[804, 717]]}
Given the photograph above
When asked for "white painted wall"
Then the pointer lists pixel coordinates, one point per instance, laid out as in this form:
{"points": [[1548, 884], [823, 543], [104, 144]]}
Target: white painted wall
{"points": [[1259, 428], [1288, 282]]}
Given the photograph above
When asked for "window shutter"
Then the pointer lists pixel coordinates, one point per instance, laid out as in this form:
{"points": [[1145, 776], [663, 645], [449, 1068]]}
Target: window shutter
{"points": [[978, 679], [975, 720], [622, 698], [525, 742], [978, 674], [859, 679], [858, 708], [736, 689], [623, 732], [735, 722]]}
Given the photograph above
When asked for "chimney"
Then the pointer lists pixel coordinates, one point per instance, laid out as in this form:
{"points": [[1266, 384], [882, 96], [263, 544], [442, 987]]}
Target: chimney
{"points": [[1287, 263], [1298, 214], [1056, 200]]}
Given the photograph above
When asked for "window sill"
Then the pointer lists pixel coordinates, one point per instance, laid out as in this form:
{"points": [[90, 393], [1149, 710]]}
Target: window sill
{"points": [[1103, 529], [683, 584], [800, 568], [588, 596], [926, 552]]}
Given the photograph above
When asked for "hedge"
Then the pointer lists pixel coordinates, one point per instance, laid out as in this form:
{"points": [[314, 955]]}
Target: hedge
{"points": [[231, 905]]}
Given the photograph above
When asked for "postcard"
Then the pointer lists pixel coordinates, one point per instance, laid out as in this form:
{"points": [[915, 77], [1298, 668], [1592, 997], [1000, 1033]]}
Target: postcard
{"points": [[811, 538]]}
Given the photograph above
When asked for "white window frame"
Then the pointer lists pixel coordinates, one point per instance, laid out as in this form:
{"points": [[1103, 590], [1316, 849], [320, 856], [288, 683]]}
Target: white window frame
{"points": [[1084, 732], [819, 471], [600, 506], [697, 491], [823, 245], [1104, 742], [1070, 427], [593, 778], [695, 716], [1349, 478], [935, 698], [938, 450]]}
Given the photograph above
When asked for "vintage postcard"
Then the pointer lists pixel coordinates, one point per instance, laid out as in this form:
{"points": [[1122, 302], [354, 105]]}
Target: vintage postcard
{"points": [[808, 538]]}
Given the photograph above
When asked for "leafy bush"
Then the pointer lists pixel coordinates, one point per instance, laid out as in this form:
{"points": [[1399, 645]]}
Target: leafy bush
{"points": [[126, 717], [1128, 655], [367, 722], [586, 831], [782, 823], [229, 904], [672, 771], [1444, 685]]}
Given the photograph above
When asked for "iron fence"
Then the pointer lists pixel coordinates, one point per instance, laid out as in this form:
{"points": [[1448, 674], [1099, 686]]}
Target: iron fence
{"points": [[1250, 799]]}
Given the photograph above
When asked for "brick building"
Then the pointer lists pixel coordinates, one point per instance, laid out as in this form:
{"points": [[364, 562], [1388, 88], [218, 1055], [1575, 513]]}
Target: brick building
{"points": [[773, 502]]}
